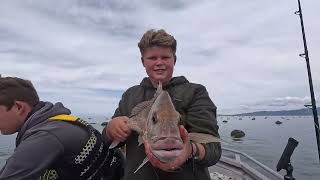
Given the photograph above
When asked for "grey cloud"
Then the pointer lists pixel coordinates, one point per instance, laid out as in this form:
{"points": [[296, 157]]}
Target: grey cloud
{"points": [[208, 52], [283, 103], [105, 16], [115, 5], [82, 102], [171, 5], [244, 52]]}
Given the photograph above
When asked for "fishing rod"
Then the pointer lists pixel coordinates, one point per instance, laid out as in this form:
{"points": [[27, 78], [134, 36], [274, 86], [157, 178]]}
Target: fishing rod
{"points": [[306, 56]]}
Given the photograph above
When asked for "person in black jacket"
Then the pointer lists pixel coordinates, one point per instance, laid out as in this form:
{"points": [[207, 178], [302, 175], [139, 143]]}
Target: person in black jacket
{"points": [[198, 114], [51, 143]]}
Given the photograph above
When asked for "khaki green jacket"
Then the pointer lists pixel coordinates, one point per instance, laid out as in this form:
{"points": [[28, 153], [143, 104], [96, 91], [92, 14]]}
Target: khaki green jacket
{"points": [[198, 115]]}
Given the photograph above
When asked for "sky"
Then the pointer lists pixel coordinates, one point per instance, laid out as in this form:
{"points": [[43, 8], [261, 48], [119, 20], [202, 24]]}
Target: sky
{"points": [[85, 54]]}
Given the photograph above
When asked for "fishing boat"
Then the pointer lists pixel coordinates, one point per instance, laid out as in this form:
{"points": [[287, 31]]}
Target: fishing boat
{"points": [[236, 165]]}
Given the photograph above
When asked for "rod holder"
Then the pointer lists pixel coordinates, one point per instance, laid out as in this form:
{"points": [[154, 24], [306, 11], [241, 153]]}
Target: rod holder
{"points": [[284, 162]]}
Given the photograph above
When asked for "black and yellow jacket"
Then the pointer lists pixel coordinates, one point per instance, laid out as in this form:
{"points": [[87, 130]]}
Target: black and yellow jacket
{"points": [[54, 145], [198, 115]]}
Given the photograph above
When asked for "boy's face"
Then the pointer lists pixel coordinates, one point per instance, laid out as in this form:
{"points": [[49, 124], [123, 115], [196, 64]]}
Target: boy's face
{"points": [[10, 120], [159, 64]]}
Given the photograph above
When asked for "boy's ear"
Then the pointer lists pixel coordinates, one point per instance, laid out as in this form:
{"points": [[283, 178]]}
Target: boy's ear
{"points": [[18, 105], [22, 108]]}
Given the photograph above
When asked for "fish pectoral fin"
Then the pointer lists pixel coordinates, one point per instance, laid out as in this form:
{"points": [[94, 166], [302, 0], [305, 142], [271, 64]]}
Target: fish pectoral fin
{"points": [[145, 160], [203, 138], [114, 144]]}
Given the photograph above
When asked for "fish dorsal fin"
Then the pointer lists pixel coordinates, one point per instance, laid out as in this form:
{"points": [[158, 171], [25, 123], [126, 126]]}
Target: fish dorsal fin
{"points": [[139, 107], [203, 138], [137, 118], [143, 105], [159, 90]]}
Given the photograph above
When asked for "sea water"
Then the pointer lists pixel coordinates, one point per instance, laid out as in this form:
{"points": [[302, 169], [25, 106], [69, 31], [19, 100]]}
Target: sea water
{"points": [[264, 141]]}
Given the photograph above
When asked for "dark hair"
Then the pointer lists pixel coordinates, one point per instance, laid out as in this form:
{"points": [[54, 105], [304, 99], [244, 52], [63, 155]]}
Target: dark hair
{"points": [[157, 38], [16, 89]]}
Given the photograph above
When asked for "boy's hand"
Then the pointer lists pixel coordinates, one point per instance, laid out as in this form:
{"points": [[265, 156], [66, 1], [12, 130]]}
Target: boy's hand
{"points": [[117, 129]]}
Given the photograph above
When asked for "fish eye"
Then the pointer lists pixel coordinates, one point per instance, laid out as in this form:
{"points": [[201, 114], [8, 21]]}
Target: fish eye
{"points": [[153, 119]]}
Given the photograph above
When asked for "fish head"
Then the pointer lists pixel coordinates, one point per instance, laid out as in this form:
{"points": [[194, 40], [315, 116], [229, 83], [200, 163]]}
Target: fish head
{"points": [[163, 132], [157, 123]]}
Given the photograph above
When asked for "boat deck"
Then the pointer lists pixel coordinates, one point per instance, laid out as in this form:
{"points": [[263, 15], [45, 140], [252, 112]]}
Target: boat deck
{"points": [[236, 165]]}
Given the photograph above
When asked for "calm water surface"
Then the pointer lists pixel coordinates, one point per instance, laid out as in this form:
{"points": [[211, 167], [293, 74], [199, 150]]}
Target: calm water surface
{"points": [[264, 140]]}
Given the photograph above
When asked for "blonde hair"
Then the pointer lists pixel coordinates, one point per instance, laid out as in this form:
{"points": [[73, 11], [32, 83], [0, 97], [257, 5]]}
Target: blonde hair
{"points": [[157, 38]]}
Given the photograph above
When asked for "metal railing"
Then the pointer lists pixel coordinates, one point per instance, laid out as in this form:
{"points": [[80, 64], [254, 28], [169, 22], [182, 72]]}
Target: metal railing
{"points": [[252, 160]]}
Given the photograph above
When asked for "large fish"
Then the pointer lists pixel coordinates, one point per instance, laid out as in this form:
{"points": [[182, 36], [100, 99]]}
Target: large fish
{"points": [[157, 123]]}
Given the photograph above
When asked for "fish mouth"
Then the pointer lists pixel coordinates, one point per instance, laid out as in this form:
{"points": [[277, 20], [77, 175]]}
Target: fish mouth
{"points": [[167, 155], [166, 143], [166, 149]]}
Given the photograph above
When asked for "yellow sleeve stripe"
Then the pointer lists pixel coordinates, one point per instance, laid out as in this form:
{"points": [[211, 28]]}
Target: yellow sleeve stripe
{"points": [[64, 117]]}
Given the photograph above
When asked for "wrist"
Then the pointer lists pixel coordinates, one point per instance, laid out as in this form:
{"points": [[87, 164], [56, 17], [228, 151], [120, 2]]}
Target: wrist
{"points": [[194, 151], [191, 150]]}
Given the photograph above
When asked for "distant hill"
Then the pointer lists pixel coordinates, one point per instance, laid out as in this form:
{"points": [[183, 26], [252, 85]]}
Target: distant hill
{"points": [[297, 112]]}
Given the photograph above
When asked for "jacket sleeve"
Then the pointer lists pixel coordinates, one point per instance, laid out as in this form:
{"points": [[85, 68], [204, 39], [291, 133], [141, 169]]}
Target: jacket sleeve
{"points": [[201, 117], [32, 157]]}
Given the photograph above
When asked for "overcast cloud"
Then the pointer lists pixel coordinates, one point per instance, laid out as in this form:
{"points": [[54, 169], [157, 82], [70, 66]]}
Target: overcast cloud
{"points": [[84, 53]]}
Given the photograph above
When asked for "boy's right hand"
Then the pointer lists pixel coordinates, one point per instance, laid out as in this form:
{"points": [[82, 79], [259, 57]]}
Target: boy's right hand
{"points": [[118, 129]]}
